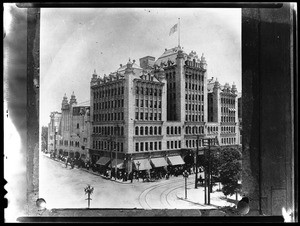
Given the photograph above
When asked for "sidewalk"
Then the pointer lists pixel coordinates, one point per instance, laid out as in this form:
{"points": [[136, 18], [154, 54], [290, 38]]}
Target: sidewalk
{"points": [[104, 177], [195, 197]]}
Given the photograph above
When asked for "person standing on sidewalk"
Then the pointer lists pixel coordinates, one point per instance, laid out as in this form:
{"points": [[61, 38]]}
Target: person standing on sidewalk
{"points": [[67, 160]]}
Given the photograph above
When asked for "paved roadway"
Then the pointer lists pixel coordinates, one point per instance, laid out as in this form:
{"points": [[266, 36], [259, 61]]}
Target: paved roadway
{"points": [[63, 187]]}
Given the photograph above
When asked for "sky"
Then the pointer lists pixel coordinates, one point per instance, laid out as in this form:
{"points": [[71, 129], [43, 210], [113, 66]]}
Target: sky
{"points": [[76, 41]]}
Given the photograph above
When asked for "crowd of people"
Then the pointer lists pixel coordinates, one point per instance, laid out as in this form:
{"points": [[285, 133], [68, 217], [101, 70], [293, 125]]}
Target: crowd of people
{"points": [[141, 175]]}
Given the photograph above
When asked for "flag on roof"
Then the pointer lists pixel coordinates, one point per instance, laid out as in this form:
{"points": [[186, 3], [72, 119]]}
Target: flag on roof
{"points": [[173, 29]]}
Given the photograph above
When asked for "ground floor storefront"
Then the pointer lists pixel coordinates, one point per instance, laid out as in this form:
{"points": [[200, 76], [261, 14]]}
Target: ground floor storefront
{"points": [[145, 166]]}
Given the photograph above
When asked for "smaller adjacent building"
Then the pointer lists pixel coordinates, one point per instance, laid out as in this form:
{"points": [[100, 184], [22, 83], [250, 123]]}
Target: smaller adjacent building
{"points": [[69, 130]]}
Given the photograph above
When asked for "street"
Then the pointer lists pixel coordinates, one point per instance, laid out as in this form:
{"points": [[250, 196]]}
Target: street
{"points": [[63, 187]]}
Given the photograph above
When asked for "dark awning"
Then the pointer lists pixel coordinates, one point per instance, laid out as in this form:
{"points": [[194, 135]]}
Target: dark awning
{"points": [[142, 164], [176, 160], [119, 162], [103, 161], [159, 162]]}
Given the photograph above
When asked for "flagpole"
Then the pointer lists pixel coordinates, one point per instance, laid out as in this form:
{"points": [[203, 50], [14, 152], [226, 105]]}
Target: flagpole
{"points": [[179, 32]]}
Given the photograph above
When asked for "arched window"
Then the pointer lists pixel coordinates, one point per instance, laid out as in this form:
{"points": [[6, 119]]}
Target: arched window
{"points": [[159, 130], [146, 130], [168, 130], [175, 130], [179, 130], [151, 130], [171, 129], [155, 130], [141, 131], [136, 130]]}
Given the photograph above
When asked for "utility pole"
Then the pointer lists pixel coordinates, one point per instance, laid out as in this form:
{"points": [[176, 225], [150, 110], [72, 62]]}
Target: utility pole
{"points": [[208, 142], [196, 163], [208, 182]]}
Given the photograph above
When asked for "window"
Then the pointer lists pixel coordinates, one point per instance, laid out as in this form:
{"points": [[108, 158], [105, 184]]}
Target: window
{"points": [[141, 131], [168, 130], [155, 130], [136, 115], [159, 145], [151, 130], [137, 102], [146, 130], [142, 146], [136, 130], [141, 116], [155, 145], [168, 144], [146, 146], [159, 130], [77, 125], [151, 146]]}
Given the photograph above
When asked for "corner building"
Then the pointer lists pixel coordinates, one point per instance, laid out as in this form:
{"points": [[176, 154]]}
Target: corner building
{"points": [[149, 115]]}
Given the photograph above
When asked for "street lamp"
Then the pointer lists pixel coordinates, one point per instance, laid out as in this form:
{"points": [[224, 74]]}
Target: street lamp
{"points": [[185, 175], [138, 165], [88, 190]]}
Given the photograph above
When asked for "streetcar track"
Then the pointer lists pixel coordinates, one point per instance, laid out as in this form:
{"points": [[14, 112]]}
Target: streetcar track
{"points": [[143, 196]]}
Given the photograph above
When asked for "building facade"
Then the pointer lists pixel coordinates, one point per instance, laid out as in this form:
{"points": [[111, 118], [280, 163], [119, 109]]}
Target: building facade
{"points": [[71, 129], [151, 115]]}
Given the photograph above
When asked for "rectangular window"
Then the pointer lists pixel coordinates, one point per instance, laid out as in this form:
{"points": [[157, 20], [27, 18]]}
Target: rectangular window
{"points": [[136, 147], [151, 146], [137, 102], [142, 103], [155, 145], [146, 146], [136, 115], [168, 144], [159, 145], [146, 116], [146, 103]]}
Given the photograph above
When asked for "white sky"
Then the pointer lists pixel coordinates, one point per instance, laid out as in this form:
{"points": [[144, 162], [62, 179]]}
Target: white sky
{"points": [[74, 42]]}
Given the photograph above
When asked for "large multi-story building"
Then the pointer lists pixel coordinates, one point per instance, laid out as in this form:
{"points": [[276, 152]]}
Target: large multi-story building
{"points": [[70, 129], [152, 114]]}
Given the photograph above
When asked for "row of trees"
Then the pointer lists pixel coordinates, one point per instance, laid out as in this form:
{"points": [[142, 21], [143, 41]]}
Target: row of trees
{"points": [[226, 167]]}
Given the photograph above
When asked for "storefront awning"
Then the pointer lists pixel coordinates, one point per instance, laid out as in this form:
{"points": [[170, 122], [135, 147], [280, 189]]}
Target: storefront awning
{"points": [[142, 164], [176, 160], [159, 162], [119, 162], [103, 161]]}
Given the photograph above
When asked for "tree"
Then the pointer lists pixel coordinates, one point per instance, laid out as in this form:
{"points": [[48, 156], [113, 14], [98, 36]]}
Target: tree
{"points": [[230, 170]]}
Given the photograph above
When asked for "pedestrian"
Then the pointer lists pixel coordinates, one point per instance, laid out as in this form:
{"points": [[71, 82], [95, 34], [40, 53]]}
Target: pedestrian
{"points": [[131, 176], [67, 160], [201, 180]]}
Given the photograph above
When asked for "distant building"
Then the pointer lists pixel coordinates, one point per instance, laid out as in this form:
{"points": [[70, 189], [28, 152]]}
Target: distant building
{"points": [[150, 115], [240, 117], [72, 128]]}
